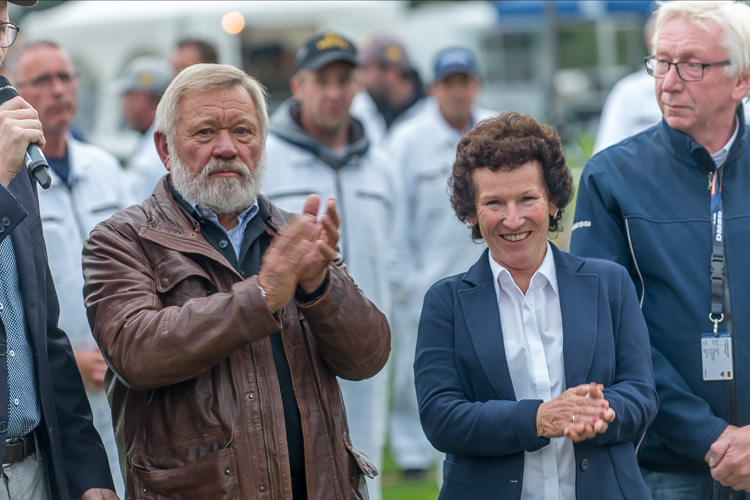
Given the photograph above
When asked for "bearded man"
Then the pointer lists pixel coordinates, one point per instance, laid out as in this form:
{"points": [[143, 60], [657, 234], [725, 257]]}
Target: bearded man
{"points": [[224, 320]]}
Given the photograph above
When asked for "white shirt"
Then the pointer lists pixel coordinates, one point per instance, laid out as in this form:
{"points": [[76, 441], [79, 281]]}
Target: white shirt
{"points": [[720, 156], [533, 339], [145, 168]]}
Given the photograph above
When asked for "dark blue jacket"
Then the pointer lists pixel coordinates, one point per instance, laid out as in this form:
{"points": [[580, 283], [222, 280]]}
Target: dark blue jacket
{"points": [[645, 203], [74, 452], [466, 399]]}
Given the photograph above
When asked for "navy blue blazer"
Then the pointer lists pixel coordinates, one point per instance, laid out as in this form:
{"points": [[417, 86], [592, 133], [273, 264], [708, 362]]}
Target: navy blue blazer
{"points": [[74, 452], [466, 399]]}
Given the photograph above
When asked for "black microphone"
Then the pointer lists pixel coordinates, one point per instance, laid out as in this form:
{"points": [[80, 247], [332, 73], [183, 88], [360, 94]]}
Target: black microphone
{"points": [[33, 159]]}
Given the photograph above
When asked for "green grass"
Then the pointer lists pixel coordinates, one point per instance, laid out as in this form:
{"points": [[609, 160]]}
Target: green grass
{"points": [[396, 488]]}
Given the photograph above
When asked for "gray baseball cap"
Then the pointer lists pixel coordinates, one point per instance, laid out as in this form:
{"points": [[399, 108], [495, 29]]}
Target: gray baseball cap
{"points": [[148, 73]]}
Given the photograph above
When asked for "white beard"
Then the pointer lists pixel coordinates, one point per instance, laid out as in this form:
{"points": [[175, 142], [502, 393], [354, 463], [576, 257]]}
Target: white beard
{"points": [[223, 195]]}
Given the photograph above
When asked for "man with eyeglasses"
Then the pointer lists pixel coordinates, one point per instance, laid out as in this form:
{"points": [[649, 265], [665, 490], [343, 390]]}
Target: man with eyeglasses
{"points": [[671, 204], [49, 446], [88, 186]]}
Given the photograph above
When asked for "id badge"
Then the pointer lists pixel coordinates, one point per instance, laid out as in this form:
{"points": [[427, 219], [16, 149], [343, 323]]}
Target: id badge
{"points": [[716, 353]]}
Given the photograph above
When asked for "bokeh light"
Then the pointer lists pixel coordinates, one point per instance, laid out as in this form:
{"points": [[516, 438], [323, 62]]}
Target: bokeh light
{"points": [[233, 22]]}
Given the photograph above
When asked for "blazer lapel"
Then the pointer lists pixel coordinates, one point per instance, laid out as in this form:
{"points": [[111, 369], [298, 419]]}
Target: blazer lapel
{"points": [[479, 305], [578, 304]]}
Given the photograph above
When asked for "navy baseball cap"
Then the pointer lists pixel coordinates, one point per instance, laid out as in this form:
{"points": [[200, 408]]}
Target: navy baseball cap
{"points": [[324, 49], [455, 60]]}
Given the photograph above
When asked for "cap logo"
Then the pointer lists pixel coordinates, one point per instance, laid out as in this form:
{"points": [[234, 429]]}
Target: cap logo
{"points": [[393, 54], [330, 41], [146, 79]]}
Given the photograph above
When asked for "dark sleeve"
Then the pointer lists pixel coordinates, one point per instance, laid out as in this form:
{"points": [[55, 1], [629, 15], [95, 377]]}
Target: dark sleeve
{"points": [[633, 394], [598, 228], [85, 460], [352, 334], [451, 421]]}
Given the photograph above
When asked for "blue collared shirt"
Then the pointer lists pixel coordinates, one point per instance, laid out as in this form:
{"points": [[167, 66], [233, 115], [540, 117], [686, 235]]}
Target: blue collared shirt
{"points": [[237, 233], [23, 398]]}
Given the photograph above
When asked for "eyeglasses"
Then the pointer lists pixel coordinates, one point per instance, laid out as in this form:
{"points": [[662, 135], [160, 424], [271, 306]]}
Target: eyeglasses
{"points": [[8, 34], [45, 81], [687, 71]]}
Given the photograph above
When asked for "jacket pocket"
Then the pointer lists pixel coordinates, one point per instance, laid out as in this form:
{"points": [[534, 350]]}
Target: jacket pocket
{"points": [[179, 279], [213, 476], [457, 481]]}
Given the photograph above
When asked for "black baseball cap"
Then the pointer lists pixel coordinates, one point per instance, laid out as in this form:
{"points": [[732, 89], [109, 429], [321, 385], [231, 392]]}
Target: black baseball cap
{"points": [[25, 3], [324, 49]]}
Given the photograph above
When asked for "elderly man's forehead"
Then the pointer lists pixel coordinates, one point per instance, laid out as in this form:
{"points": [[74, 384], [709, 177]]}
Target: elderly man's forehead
{"points": [[216, 98]]}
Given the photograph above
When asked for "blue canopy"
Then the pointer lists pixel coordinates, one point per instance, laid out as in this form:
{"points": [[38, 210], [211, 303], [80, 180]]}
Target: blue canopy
{"points": [[572, 9]]}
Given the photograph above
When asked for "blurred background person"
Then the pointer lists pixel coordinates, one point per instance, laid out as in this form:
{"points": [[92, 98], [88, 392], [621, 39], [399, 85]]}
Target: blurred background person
{"points": [[631, 105], [191, 51], [393, 91], [423, 150], [142, 84], [532, 368], [316, 147], [88, 186]]}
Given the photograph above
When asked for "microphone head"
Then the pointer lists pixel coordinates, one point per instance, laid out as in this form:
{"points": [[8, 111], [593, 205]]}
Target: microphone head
{"points": [[7, 91]]}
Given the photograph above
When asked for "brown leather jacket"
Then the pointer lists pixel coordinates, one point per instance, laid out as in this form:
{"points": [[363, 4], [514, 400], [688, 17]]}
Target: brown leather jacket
{"points": [[195, 396]]}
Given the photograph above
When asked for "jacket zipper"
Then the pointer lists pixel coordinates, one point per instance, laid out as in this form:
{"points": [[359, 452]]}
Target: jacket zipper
{"points": [[76, 214], [263, 425], [342, 217]]}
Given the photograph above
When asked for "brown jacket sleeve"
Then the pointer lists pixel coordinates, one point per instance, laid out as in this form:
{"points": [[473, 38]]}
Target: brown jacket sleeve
{"points": [[353, 336]]}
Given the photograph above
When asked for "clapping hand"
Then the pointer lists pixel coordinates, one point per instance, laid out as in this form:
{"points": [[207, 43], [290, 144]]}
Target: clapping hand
{"points": [[579, 413], [300, 254]]}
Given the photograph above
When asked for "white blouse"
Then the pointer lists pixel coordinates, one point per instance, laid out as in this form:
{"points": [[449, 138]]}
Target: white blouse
{"points": [[533, 338]]}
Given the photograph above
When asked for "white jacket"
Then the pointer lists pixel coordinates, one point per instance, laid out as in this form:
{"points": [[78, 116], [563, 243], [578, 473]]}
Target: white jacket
{"points": [[365, 189], [97, 190], [145, 168], [366, 111], [431, 243]]}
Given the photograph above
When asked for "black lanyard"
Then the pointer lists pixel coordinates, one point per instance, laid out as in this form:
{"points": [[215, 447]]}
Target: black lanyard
{"points": [[717, 252]]}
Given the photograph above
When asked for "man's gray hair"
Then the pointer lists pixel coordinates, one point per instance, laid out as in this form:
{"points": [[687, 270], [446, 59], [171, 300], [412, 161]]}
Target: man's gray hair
{"points": [[202, 78], [11, 61], [733, 18]]}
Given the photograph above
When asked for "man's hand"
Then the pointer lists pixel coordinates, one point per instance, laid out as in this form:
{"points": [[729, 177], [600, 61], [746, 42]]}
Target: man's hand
{"points": [[282, 259], [729, 458], [314, 265], [19, 126], [92, 366], [99, 494]]}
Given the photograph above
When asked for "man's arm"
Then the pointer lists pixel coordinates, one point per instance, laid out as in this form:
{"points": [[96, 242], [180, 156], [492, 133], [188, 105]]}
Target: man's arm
{"points": [[685, 421], [352, 335]]}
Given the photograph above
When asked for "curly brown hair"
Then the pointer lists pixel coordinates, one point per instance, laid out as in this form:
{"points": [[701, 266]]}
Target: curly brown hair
{"points": [[505, 142]]}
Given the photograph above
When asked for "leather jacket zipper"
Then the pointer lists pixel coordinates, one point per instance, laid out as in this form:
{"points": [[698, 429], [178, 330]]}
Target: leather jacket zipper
{"points": [[263, 425]]}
